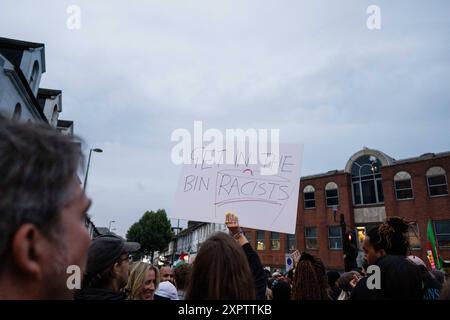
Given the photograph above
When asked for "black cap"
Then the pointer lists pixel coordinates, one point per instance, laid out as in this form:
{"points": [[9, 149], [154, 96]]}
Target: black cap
{"points": [[106, 250]]}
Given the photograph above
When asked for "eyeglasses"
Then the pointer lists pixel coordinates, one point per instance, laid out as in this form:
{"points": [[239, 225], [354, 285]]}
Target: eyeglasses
{"points": [[128, 258]]}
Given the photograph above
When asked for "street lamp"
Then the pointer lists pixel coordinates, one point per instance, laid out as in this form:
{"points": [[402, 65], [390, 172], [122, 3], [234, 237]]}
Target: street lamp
{"points": [[89, 162], [111, 222]]}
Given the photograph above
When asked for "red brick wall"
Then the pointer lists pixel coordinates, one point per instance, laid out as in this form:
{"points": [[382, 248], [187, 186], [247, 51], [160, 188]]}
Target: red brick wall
{"points": [[422, 207], [269, 257], [322, 217]]}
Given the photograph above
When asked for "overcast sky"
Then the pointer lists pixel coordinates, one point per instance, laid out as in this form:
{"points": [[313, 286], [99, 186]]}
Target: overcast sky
{"points": [[137, 70]]}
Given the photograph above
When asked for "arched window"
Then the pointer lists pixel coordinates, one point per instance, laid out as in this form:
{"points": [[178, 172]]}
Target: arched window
{"points": [[437, 182], [17, 112], [366, 180], [309, 197], [331, 194], [403, 185], [34, 75]]}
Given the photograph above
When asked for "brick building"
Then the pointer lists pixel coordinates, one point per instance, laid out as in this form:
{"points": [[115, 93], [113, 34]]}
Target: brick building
{"points": [[272, 247], [374, 186]]}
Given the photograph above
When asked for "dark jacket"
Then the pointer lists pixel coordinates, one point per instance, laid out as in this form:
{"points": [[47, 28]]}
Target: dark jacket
{"points": [[259, 276], [99, 294], [432, 287], [400, 280]]}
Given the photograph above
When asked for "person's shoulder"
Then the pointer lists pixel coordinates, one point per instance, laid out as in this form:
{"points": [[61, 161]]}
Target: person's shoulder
{"points": [[362, 292]]}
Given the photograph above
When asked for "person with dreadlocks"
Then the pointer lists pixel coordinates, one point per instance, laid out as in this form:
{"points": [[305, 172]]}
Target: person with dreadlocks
{"points": [[386, 246], [310, 279]]}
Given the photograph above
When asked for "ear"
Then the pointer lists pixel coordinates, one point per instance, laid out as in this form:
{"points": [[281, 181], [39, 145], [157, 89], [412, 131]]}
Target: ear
{"points": [[116, 268], [28, 250], [381, 253]]}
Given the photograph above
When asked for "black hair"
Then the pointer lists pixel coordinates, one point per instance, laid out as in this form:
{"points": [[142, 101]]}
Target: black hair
{"points": [[391, 236], [281, 290]]}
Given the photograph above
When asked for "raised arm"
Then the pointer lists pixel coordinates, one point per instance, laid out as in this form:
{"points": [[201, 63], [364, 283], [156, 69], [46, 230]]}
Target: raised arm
{"points": [[259, 276]]}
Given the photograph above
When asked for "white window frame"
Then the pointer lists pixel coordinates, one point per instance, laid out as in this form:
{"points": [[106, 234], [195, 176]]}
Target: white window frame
{"points": [[397, 178], [441, 171]]}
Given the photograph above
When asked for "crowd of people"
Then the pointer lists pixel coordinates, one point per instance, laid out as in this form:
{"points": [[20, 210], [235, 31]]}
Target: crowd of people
{"points": [[42, 232]]}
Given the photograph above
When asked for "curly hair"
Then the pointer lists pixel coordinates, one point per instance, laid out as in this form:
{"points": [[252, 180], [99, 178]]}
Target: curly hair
{"points": [[310, 279], [391, 236]]}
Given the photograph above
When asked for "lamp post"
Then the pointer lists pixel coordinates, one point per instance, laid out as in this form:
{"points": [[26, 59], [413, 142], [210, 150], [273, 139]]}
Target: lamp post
{"points": [[89, 162]]}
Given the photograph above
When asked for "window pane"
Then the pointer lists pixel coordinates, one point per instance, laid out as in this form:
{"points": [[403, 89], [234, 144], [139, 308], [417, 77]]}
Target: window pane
{"points": [[368, 191], [366, 170], [413, 234], [380, 191], [290, 242], [260, 245], [275, 244], [356, 193], [438, 191], [275, 236], [403, 184], [442, 226], [309, 195], [404, 194], [443, 241], [311, 232], [275, 241], [335, 243], [334, 231], [310, 204], [332, 193], [332, 202], [355, 170], [436, 180], [311, 244]]}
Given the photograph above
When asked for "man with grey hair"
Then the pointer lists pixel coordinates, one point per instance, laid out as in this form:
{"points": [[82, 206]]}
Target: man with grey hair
{"points": [[42, 212]]}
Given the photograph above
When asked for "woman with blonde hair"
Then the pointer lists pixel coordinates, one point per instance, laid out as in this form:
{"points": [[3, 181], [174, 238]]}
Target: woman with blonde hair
{"points": [[142, 282]]}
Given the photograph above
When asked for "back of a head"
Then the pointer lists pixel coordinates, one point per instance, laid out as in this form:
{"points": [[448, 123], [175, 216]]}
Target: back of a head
{"points": [[332, 277], [220, 271], [310, 280], [182, 274], [393, 236], [281, 290], [166, 291], [345, 279]]}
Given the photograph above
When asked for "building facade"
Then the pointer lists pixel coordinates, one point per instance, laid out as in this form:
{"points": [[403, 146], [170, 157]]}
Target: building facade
{"points": [[22, 65], [188, 241], [372, 187]]}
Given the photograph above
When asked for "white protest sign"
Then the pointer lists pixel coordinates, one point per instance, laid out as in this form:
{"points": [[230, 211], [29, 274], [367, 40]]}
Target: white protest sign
{"points": [[207, 191], [296, 256]]}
